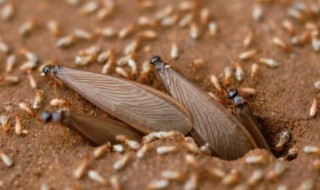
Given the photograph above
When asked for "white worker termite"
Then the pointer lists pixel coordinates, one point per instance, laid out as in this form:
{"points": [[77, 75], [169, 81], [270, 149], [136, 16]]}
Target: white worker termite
{"points": [[174, 51]]}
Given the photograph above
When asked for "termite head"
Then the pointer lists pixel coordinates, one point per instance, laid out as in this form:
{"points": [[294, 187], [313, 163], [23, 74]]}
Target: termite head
{"points": [[232, 94], [50, 68], [161, 69], [47, 117]]}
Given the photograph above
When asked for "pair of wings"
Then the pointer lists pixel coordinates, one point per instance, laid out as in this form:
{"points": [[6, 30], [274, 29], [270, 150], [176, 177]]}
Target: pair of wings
{"points": [[140, 106], [147, 109], [212, 122]]}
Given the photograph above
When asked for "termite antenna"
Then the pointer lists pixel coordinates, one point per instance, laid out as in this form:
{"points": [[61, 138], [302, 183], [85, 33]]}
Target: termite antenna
{"points": [[155, 60]]}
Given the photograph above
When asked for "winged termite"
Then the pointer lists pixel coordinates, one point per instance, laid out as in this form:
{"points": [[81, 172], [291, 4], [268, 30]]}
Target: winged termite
{"points": [[243, 113], [212, 122], [97, 131], [140, 106]]}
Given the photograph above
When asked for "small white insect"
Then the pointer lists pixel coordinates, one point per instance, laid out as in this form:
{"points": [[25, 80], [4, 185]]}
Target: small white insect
{"points": [[317, 85], [81, 169], [11, 61], [246, 91], [95, 176], [101, 150], [32, 81], [106, 32], [121, 163], [172, 175], [254, 71], [127, 31], [158, 184], [122, 72], [118, 148], [38, 100], [280, 43], [166, 149], [164, 12], [143, 150], [232, 178], [257, 159], [53, 27], [66, 41], [89, 7], [59, 102], [115, 182], [194, 31], [257, 12], [82, 34], [147, 21], [10, 79], [269, 62], [4, 47], [174, 51], [239, 72], [186, 20], [27, 27], [256, 176], [314, 107], [192, 182], [205, 16], [6, 159], [284, 138], [248, 54], [170, 20], [7, 12], [148, 35], [132, 47], [214, 80], [311, 149], [23, 106], [213, 28], [18, 126]]}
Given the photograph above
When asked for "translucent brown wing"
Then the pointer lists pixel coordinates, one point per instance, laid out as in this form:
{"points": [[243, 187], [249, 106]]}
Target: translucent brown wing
{"points": [[211, 121], [245, 116], [140, 106], [99, 131]]}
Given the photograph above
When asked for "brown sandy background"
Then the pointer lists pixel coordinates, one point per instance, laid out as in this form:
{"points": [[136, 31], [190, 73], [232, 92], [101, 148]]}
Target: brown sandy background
{"points": [[49, 154]]}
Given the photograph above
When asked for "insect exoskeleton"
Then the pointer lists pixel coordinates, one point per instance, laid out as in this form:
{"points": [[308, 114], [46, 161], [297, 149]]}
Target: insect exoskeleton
{"points": [[212, 123]]}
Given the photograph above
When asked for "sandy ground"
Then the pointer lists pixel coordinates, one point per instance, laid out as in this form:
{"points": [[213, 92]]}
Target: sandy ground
{"points": [[49, 154]]}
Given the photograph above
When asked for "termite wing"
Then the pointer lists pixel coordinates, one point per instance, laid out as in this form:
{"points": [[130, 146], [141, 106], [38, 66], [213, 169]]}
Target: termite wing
{"points": [[140, 106], [212, 122], [245, 116], [96, 130]]}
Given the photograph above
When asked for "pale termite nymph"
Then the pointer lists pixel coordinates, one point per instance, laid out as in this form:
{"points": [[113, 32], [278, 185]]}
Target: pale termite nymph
{"points": [[284, 138], [314, 107]]}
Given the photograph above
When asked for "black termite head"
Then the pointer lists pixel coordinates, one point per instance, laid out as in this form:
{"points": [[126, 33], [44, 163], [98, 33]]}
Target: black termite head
{"points": [[155, 60], [232, 94], [47, 117], [161, 68], [158, 63], [50, 68]]}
